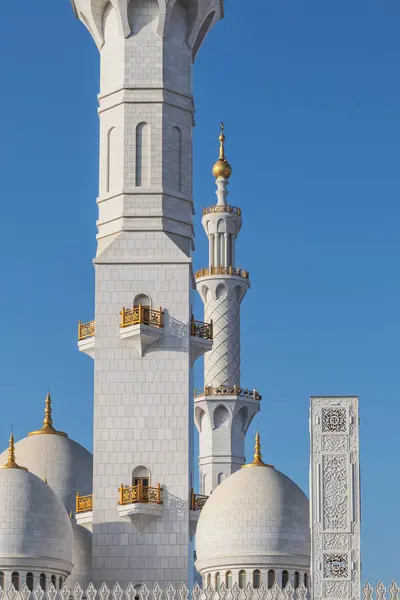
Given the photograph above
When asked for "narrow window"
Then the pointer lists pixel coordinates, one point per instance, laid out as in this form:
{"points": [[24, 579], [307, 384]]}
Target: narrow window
{"points": [[53, 580], [285, 578], [306, 580], [256, 579], [42, 581], [143, 154], [60, 582], [2, 580], [217, 581], [242, 579], [221, 477], [208, 580], [271, 578], [111, 161], [228, 580], [296, 579], [29, 581], [176, 159], [15, 580]]}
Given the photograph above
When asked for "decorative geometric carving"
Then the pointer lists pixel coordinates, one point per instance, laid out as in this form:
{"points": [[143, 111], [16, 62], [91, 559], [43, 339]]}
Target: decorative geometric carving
{"points": [[333, 420], [336, 566], [336, 589], [336, 541], [335, 492], [334, 443]]}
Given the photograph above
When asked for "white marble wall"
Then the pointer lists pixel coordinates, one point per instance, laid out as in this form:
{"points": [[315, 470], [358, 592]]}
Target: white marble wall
{"points": [[335, 498]]}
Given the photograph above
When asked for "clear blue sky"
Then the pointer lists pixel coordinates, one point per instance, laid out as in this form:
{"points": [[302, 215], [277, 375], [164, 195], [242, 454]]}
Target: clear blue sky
{"points": [[310, 95]]}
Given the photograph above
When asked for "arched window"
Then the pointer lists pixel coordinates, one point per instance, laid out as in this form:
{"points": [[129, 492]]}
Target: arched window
{"points": [[2, 580], [208, 580], [29, 581], [242, 579], [137, 591], [15, 580], [53, 580], [296, 579], [175, 152], [271, 578], [228, 580], [217, 581], [256, 579], [205, 482], [221, 477], [112, 158], [141, 475], [143, 154], [306, 580], [42, 581], [285, 578], [60, 582], [142, 299]]}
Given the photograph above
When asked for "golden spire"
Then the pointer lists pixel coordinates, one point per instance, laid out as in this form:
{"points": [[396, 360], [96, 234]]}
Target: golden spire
{"points": [[48, 421], [257, 462], [222, 168], [11, 464]]}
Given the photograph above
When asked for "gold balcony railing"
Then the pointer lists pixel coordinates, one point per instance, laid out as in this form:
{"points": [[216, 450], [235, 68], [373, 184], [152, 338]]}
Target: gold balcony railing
{"points": [[227, 390], [84, 503], [197, 501], [222, 271], [85, 330], [217, 208], [201, 330], [139, 493], [142, 315]]}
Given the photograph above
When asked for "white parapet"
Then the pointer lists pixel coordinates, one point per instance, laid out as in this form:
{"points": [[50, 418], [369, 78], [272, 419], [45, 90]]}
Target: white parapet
{"points": [[335, 498]]}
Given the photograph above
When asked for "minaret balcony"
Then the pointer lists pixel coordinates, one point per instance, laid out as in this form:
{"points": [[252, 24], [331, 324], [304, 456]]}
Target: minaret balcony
{"points": [[218, 271], [139, 503], [197, 501], [201, 337], [141, 326], [222, 208], [227, 390], [86, 337], [84, 510]]}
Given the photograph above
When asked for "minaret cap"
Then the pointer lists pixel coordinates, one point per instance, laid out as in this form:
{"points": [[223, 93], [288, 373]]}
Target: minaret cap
{"points": [[48, 421], [222, 168], [11, 464], [257, 462]]}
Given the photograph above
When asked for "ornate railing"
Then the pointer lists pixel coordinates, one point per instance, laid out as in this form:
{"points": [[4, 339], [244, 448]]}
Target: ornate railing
{"points": [[142, 315], [217, 208], [84, 503], [227, 390], [201, 330], [197, 501], [222, 271], [85, 330], [139, 493]]}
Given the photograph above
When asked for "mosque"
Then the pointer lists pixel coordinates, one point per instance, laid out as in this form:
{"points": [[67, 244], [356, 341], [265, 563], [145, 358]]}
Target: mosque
{"points": [[129, 512]]}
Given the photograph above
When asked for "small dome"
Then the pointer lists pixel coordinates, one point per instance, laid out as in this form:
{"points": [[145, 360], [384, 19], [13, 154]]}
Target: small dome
{"points": [[34, 526], [257, 516], [81, 556]]}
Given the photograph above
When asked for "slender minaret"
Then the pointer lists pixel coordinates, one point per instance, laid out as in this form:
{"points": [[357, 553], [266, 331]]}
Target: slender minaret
{"points": [[140, 342], [223, 410]]}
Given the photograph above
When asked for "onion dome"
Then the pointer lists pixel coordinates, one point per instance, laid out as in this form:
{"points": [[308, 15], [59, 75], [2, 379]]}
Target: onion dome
{"points": [[258, 518], [222, 168]]}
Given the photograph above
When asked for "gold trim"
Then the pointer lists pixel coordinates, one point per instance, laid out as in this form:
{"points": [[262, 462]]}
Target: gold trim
{"points": [[11, 464], [48, 421], [257, 462], [237, 272]]}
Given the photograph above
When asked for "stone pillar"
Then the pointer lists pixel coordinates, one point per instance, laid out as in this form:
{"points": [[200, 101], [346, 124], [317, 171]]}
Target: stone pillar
{"points": [[335, 498]]}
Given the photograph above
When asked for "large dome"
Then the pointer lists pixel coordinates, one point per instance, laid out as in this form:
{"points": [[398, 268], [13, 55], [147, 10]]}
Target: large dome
{"points": [[66, 465], [256, 517], [35, 530]]}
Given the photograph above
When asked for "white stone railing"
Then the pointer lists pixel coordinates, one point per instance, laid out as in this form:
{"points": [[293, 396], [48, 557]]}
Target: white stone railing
{"points": [[183, 593]]}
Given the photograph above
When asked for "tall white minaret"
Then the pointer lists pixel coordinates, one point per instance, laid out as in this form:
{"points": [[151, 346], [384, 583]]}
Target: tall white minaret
{"points": [[140, 341], [223, 410]]}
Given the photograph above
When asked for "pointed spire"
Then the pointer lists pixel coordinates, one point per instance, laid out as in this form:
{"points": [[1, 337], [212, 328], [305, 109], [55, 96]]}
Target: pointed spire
{"points": [[222, 168], [257, 461], [11, 463], [48, 420]]}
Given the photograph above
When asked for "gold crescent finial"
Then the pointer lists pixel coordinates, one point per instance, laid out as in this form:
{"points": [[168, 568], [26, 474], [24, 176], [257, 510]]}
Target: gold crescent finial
{"points": [[48, 421], [257, 461], [222, 168], [11, 463]]}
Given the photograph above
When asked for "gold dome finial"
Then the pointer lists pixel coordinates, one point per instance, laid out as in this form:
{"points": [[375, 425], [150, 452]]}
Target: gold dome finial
{"points": [[11, 463], [257, 461], [222, 168], [48, 421]]}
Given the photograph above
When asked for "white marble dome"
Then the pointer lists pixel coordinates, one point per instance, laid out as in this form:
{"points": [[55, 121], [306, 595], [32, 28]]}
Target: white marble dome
{"points": [[256, 518], [66, 465], [35, 529]]}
